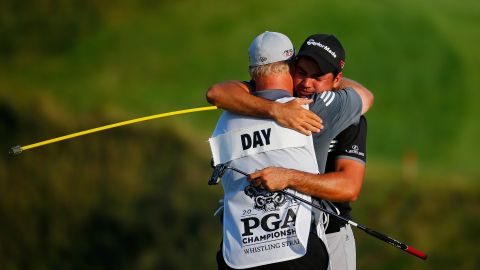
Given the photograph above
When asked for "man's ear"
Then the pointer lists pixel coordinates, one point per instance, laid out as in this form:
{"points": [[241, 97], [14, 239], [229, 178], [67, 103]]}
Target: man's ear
{"points": [[337, 80]]}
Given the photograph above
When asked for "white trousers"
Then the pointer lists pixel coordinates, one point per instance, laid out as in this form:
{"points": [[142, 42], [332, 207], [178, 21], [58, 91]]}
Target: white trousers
{"points": [[341, 247]]}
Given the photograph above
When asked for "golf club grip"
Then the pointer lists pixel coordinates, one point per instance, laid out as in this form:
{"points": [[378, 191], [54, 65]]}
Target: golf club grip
{"points": [[416, 252], [394, 243]]}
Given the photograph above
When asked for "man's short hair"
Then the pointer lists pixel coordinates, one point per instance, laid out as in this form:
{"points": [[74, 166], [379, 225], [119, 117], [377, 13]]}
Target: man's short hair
{"points": [[276, 68]]}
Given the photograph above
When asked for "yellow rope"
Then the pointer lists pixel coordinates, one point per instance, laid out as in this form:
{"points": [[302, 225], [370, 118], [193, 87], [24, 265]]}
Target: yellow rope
{"points": [[19, 149]]}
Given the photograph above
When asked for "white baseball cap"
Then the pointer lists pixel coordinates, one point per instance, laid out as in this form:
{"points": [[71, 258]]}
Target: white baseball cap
{"points": [[270, 47]]}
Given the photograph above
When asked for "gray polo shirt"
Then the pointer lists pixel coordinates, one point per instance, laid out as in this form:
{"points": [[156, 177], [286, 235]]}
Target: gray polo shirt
{"points": [[338, 110]]}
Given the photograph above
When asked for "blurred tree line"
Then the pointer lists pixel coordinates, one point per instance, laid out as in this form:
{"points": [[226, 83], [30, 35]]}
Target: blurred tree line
{"points": [[135, 198]]}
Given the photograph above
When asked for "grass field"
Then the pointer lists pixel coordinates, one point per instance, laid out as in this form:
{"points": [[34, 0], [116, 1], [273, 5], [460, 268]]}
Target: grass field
{"points": [[66, 67], [418, 58]]}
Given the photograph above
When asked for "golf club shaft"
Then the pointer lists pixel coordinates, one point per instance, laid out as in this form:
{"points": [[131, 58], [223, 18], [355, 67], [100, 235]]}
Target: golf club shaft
{"points": [[16, 150], [369, 231]]}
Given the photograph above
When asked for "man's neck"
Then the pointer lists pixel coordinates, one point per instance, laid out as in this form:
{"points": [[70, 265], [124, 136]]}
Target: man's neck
{"points": [[283, 82]]}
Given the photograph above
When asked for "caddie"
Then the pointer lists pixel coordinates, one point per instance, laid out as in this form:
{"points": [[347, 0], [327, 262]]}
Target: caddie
{"points": [[260, 228]]}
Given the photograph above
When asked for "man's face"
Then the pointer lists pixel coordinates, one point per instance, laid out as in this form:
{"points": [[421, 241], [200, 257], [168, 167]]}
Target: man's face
{"points": [[308, 78]]}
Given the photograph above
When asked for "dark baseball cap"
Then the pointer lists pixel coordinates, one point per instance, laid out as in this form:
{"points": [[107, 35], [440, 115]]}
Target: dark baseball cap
{"points": [[326, 50]]}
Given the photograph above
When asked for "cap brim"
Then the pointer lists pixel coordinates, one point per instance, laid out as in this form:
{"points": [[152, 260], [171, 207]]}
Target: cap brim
{"points": [[324, 65]]}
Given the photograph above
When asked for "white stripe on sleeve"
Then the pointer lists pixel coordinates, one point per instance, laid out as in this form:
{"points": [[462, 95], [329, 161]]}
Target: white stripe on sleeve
{"points": [[327, 96], [331, 99]]}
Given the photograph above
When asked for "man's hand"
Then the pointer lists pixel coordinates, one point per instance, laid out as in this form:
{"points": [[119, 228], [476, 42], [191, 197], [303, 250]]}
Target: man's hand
{"points": [[292, 115], [271, 178]]}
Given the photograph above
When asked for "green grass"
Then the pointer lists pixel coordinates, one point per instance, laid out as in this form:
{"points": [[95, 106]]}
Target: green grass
{"points": [[431, 211], [418, 58], [86, 64]]}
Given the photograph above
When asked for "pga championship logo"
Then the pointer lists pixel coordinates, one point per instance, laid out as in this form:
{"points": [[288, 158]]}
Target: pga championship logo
{"points": [[274, 228], [264, 199]]}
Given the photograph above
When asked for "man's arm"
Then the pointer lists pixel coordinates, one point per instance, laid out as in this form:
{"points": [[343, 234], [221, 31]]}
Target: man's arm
{"points": [[346, 161], [235, 96], [343, 185], [363, 92]]}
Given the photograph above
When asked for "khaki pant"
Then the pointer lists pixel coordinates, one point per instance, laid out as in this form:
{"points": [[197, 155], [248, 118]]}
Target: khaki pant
{"points": [[341, 247]]}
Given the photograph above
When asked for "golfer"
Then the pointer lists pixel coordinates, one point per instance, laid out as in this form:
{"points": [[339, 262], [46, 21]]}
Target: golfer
{"points": [[316, 70]]}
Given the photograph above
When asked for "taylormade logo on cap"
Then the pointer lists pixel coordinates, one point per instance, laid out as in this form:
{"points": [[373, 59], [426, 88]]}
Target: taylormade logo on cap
{"points": [[326, 50], [270, 47], [319, 44]]}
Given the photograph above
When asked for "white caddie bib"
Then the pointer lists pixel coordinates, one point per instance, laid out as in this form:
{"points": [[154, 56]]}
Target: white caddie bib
{"points": [[261, 227], [253, 140]]}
